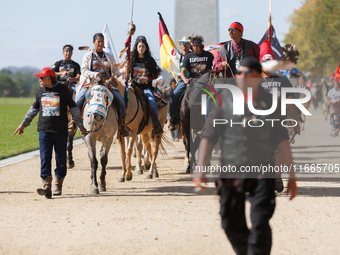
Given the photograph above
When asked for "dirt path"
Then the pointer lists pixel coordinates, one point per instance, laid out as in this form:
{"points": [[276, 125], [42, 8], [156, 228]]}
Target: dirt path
{"points": [[162, 216]]}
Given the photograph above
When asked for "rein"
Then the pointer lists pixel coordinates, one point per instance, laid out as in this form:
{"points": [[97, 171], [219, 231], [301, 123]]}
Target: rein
{"points": [[92, 131], [136, 111]]}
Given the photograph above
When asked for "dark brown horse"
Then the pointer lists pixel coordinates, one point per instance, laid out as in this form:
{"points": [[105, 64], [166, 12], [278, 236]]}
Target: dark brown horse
{"points": [[191, 119]]}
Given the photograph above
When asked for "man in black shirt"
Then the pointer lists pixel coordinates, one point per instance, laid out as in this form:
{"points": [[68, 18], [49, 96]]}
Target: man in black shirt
{"points": [[51, 103], [242, 147], [66, 70], [195, 63]]}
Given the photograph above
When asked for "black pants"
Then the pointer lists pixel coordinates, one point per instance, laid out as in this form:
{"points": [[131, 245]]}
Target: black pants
{"points": [[258, 240]]}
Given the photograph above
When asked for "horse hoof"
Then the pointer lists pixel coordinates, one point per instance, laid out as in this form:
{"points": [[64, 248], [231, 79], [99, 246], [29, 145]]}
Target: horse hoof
{"points": [[149, 176], [102, 188], [138, 172], [129, 178], [121, 179], [94, 191], [155, 175], [70, 165], [147, 166]]}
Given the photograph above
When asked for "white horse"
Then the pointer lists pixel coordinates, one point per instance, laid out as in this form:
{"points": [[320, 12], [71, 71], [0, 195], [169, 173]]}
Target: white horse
{"points": [[101, 121]]}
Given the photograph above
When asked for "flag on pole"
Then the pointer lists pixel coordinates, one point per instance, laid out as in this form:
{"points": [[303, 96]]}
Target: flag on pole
{"points": [[108, 48], [274, 43], [169, 54]]}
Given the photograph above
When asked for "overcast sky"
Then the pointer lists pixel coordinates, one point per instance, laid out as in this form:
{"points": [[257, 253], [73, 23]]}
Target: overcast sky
{"points": [[34, 31]]}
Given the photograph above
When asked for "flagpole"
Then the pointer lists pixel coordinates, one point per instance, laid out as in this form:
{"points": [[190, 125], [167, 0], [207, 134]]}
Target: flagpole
{"points": [[114, 49], [270, 22]]}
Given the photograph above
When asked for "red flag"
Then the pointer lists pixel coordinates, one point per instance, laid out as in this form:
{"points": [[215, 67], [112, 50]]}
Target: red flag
{"points": [[337, 74]]}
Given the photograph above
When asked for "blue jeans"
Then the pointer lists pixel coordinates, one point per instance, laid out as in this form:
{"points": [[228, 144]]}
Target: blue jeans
{"points": [[174, 98], [48, 141], [151, 99], [80, 97]]}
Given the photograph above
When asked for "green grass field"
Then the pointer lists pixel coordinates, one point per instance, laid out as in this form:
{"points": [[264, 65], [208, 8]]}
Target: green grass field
{"points": [[12, 112]]}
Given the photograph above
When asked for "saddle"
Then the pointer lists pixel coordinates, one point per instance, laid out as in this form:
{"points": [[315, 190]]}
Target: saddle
{"points": [[161, 102]]}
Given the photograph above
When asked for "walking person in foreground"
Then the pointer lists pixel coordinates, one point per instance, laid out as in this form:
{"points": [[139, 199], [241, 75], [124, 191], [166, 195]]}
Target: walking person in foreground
{"points": [[246, 146], [51, 103]]}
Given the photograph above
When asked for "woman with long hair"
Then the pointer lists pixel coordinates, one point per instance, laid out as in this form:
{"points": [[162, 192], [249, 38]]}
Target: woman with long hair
{"points": [[98, 66], [143, 70]]}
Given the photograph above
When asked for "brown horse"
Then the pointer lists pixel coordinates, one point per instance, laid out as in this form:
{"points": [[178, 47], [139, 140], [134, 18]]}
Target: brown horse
{"points": [[134, 116]]}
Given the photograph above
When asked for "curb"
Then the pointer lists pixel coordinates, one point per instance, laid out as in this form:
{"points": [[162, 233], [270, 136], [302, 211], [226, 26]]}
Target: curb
{"points": [[29, 155]]}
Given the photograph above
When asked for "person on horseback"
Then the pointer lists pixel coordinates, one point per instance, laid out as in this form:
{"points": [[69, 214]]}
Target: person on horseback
{"points": [[184, 43], [334, 101], [195, 64], [277, 80], [99, 66], [232, 52], [66, 70], [51, 102], [143, 69]]}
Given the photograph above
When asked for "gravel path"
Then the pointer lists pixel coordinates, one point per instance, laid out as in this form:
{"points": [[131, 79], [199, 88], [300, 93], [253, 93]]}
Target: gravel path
{"points": [[162, 216]]}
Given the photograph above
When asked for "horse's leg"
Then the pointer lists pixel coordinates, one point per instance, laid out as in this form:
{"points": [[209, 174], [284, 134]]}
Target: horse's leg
{"points": [[91, 145], [126, 154], [193, 147], [186, 141], [147, 163], [104, 151], [138, 148], [156, 142], [147, 145]]}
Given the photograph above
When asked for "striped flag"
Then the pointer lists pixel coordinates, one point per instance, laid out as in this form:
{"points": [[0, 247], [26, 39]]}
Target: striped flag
{"points": [[169, 54]]}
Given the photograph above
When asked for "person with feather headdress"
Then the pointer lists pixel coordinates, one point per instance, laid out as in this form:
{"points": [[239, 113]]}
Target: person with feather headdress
{"points": [[290, 54]]}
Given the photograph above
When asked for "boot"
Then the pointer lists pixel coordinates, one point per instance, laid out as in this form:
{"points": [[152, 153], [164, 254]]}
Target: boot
{"points": [[124, 130], [46, 189], [58, 186], [157, 129]]}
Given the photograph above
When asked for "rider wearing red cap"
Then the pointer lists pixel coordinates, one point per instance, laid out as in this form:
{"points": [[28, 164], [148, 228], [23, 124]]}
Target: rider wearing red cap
{"points": [[233, 51]]}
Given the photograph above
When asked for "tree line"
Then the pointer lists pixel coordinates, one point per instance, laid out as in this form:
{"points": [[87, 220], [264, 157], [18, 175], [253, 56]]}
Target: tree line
{"points": [[315, 30], [16, 82]]}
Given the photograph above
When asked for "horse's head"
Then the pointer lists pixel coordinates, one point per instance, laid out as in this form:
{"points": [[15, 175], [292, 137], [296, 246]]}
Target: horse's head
{"points": [[202, 85], [99, 99]]}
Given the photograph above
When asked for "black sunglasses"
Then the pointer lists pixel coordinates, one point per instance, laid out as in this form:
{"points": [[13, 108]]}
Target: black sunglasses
{"points": [[41, 78], [232, 29]]}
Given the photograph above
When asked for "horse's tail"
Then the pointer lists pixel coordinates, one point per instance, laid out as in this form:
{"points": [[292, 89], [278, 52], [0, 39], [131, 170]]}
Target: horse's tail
{"points": [[165, 142]]}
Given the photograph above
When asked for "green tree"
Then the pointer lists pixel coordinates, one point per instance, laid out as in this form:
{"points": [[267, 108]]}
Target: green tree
{"points": [[6, 85], [315, 30]]}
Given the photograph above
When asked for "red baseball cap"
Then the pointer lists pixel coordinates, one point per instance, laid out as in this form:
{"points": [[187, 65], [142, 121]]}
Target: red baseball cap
{"points": [[46, 72]]}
